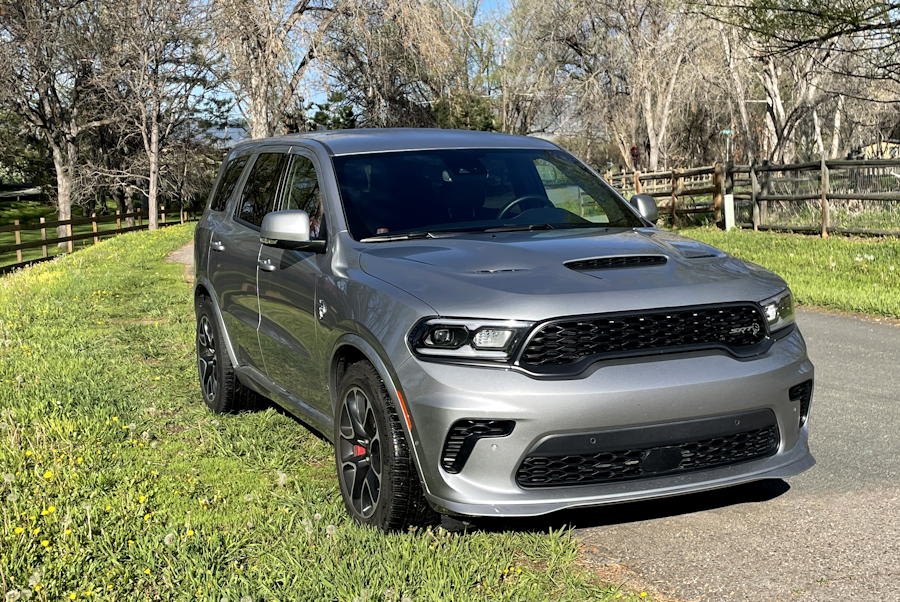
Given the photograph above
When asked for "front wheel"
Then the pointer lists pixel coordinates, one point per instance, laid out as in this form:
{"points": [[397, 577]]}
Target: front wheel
{"points": [[378, 480]]}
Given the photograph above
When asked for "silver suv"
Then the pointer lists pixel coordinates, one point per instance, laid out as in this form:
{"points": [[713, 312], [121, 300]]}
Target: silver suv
{"points": [[483, 327]]}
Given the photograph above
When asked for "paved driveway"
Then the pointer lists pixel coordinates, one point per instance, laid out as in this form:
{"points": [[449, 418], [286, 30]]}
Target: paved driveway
{"points": [[832, 533]]}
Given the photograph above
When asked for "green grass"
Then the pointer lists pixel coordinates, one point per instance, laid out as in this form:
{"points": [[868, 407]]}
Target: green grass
{"points": [[846, 274], [117, 483]]}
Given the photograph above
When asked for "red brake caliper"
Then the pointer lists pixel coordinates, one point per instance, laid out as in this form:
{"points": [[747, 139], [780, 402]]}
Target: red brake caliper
{"points": [[359, 450]]}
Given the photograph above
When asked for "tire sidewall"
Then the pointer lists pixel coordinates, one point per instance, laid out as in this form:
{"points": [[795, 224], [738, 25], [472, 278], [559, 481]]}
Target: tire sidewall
{"points": [[204, 310], [358, 376]]}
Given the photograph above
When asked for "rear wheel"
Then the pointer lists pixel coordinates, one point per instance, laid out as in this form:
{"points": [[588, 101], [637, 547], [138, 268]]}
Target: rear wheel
{"points": [[222, 392], [378, 480]]}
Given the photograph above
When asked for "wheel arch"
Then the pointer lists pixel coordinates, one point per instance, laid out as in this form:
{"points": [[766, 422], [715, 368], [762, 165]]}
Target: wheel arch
{"points": [[352, 348], [203, 289]]}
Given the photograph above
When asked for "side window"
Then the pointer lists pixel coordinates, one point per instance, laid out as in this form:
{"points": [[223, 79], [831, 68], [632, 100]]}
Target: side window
{"points": [[566, 193], [227, 183], [302, 192], [258, 197]]}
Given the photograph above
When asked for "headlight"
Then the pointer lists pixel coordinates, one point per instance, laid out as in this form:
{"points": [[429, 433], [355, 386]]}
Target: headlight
{"points": [[463, 338], [779, 310]]}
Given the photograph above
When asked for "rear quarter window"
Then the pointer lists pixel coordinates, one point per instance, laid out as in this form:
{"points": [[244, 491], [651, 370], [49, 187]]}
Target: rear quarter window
{"points": [[227, 183]]}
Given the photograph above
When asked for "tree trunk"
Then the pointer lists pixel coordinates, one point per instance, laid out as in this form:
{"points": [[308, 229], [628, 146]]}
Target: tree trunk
{"points": [[153, 186], [63, 163], [836, 128], [129, 206]]}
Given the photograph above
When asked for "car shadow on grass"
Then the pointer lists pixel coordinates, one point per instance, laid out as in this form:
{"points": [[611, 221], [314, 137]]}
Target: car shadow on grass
{"points": [[633, 512]]}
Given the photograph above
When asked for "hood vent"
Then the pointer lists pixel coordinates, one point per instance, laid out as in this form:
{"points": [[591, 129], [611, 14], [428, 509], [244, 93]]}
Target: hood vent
{"points": [[620, 261]]}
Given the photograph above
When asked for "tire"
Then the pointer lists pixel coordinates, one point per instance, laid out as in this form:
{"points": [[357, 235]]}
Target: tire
{"points": [[219, 385], [378, 479]]}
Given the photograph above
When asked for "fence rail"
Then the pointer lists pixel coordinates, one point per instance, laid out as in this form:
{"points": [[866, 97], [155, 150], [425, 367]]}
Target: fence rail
{"points": [[840, 196], [124, 222]]}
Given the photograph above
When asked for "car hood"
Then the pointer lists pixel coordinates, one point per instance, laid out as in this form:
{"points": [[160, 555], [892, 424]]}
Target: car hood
{"points": [[524, 276]]}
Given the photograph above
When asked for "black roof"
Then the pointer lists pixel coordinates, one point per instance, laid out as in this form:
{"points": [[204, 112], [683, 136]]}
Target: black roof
{"points": [[350, 142]]}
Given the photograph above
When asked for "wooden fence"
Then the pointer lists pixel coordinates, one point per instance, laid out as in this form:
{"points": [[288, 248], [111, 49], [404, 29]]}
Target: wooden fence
{"points": [[124, 222], [799, 197]]}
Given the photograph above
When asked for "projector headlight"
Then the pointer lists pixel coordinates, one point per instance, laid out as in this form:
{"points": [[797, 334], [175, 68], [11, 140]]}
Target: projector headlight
{"points": [[467, 339], [779, 310]]}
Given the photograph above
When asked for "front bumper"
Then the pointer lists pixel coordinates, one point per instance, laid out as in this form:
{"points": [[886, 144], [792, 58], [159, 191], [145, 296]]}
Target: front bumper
{"points": [[615, 394]]}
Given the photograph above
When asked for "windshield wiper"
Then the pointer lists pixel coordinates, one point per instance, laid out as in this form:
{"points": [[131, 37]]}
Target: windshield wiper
{"points": [[520, 228], [390, 237]]}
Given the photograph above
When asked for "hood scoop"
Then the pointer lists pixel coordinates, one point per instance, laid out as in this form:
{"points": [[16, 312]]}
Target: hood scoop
{"points": [[616, 261]]}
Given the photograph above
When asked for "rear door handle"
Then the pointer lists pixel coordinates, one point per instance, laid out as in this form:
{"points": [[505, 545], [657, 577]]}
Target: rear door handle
{"points": [[266, 265], [215, 245]]}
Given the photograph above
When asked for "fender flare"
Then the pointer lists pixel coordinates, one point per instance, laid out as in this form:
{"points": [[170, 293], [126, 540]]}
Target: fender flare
{"points": [[376, 356], [204, 283]]}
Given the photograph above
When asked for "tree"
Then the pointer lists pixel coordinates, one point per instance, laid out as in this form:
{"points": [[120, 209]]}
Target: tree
{"points": [[268, 48], [158, 74], [47, 80]]}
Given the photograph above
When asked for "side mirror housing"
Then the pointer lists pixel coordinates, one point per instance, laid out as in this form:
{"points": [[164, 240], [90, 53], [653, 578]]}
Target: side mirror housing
{"points": [[289, 230], [646, 206]]}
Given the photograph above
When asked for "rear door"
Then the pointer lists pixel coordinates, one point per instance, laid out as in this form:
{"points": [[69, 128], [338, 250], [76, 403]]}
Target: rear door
{"points": [[287, 294], [234, 253]]}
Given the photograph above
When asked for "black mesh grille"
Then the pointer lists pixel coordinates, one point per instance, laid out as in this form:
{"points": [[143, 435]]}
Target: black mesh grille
{"points": [[463, 435], [626, 464], [624, 261], [570, 341], [803, 394]]}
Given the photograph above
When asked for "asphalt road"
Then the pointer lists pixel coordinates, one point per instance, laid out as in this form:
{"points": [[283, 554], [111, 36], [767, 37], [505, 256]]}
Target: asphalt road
{"points": [[832, 533]]}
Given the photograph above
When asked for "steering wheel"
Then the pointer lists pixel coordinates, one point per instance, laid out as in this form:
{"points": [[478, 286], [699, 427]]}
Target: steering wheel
{"points": [[542, 202]]}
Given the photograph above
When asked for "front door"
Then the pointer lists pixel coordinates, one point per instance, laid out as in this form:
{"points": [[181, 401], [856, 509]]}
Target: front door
{"points": [[287, 295], [234, 255]]}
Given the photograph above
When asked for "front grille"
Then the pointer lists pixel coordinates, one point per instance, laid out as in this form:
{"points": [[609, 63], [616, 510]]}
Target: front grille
{"points": [[463, 435], [641, 462], [802, 393], [621, 261], [565, 342]]}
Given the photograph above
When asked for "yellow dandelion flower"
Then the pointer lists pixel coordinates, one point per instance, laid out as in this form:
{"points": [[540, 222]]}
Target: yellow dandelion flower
{"points": [[131, 542], [51, 509], [190, 533], [79, 460], [28, 452], [19, 530], [48, 475], [115, 418], [36, 530], [142, 499], [643, 594], [45, 542], [108, 507], [68, 531], [146, 571], [147, 516], [72, 596], [45, 512]]}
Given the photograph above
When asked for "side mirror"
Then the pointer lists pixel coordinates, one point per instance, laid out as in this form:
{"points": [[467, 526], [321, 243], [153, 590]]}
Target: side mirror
{"points": [[288, 230], [646, 206]]}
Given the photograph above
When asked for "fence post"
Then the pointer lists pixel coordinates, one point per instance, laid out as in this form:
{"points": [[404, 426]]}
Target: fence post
{"points": [[718, 182], [18, 241], [118, 221], [637, 182], [43, 237], [162, 217], [94, 226], [70, 244], [754, 192], [824, 183]]}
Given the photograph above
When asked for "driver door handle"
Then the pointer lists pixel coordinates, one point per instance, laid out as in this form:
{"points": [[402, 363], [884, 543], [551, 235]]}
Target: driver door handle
{"points": [[216, 245], [266, 265]]}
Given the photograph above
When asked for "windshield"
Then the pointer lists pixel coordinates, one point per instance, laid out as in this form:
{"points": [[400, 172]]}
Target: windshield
{"points": [[388, 195]]}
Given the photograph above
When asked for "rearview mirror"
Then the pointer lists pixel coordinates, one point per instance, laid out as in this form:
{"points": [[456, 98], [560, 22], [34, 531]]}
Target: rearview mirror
{"points": [[289, 230], [646, 206]]}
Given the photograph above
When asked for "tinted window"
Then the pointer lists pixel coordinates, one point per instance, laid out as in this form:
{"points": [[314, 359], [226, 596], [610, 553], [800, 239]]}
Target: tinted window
{"points": [[227, 183], [474, 190], [258, 197], [302, 192]]}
